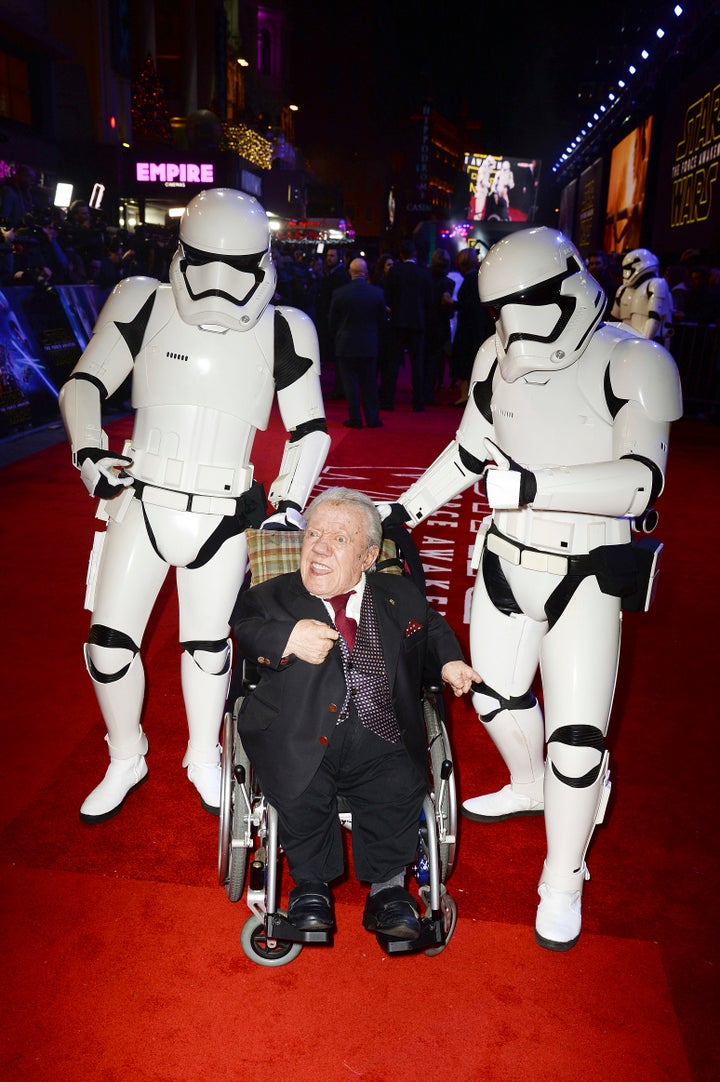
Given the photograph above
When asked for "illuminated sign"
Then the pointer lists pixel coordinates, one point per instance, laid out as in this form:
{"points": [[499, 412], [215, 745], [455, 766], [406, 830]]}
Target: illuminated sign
{"points": [[687, 200], [174, 174]]}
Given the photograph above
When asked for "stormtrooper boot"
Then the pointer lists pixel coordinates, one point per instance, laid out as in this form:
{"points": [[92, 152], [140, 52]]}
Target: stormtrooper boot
{"points": [[206, 778], [559, 916], [123, 776], [510, 801]]}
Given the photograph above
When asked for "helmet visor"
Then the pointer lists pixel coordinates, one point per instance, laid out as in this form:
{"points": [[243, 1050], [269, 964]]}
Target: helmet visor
{"points": [[537, 314], [233, 278]]}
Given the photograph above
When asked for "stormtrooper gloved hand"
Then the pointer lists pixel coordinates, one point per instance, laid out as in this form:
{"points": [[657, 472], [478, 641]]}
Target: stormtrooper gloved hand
{"points": [[287, 517], [507, 483], [101, 472], [392, 514]]}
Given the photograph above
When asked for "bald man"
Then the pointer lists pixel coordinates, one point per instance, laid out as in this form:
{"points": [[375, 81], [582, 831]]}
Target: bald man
{"points": [[358, 321]]}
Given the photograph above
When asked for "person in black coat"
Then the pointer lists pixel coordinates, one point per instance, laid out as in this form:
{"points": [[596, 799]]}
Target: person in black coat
{"points": [[335, 275], [474, 323], [357, 324], [340, 714], [408, 292]]}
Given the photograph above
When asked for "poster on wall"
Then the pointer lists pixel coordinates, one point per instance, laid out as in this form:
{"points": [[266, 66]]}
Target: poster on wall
{"points": [[502, 189], [566, 213], [687, 208], [590, 219], [626, 190], [39, 346]]}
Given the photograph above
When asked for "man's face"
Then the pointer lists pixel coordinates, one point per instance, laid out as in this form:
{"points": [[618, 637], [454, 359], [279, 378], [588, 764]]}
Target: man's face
{"points": [[331, 258], [335, 550]]}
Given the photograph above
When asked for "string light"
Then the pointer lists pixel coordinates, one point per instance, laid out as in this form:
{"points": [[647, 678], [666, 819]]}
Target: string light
{"points": [[612, 97], [248, 143]]}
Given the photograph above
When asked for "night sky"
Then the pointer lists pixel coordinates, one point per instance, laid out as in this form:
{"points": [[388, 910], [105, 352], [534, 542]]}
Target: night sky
{"points": [[363, 69]]}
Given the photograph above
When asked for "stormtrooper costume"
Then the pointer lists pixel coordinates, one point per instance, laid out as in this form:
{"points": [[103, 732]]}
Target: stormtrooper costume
{"points": [[567, 422], [207, 353], [644, 301]]}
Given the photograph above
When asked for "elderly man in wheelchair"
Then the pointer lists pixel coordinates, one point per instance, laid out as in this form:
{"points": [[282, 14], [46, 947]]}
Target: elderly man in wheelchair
{"points": [[337, 713]]}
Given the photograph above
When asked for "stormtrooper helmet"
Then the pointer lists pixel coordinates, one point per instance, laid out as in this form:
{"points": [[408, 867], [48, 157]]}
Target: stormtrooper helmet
{"points": [[544, 302], [639, 264], [222, 273]]}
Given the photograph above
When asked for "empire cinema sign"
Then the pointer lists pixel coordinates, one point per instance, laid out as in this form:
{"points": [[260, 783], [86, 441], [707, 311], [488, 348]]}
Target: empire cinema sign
{"points": [[174, 174]]}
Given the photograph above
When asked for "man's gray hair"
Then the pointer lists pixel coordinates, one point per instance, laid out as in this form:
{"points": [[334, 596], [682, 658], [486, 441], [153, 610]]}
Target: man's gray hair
{"points": [[353, 498]]}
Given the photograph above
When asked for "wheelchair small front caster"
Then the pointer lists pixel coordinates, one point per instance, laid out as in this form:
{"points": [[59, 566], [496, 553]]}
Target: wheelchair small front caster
{"points": [[264, 951]]}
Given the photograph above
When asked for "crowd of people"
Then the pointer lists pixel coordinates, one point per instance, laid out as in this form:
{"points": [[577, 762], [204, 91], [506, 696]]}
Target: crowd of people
{"points": [[433, 318], [434, 321], [47, 246]]}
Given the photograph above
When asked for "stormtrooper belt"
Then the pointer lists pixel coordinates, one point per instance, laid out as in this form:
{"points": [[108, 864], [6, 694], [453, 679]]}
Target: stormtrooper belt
{"points": [[186, 501], [535, 559]]}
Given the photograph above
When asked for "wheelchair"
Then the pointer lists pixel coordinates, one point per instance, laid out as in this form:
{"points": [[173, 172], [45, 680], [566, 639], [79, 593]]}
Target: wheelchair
{"points": [[248, 849]]}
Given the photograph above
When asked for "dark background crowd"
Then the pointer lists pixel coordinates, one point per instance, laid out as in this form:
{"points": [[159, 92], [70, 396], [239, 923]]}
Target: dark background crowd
{"points": [[433, 318]]}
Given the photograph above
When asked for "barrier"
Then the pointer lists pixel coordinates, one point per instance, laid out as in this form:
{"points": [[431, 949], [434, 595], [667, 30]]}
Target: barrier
{"points": [[696, 349]]}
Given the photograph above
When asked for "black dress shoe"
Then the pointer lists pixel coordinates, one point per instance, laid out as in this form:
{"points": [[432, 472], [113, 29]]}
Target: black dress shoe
{"points": [[310, 907], [392, 912], [353, 424]]}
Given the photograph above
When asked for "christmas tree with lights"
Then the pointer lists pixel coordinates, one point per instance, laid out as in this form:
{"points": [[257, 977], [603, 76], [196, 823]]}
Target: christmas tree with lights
{"points": [[150, 116]]}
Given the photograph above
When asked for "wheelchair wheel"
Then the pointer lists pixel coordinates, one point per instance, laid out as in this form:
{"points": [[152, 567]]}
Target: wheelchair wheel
{"points": [[441, 766], [262, 951], [448, 908], [234, 826]]}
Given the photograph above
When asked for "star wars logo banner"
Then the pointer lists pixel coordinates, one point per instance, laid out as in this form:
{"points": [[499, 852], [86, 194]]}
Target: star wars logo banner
{"points": [[697, 155], [688, 204]]}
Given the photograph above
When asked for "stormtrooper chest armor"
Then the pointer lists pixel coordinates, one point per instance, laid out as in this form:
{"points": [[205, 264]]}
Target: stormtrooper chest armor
{"points": [[199, 396]]}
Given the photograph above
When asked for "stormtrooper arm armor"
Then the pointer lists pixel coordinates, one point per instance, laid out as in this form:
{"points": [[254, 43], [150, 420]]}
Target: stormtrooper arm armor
{"points": [[463, 461], [297, 379], [660, 308], [107, 360], [644, 396]]}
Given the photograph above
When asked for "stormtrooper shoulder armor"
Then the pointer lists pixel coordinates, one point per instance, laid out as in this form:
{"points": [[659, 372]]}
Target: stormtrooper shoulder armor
{"points": [[126, 300], [303, 333], [645, 372]]}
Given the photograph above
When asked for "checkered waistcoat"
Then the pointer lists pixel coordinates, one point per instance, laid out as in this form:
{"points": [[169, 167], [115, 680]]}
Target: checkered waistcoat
{"points": [[368, 690]]}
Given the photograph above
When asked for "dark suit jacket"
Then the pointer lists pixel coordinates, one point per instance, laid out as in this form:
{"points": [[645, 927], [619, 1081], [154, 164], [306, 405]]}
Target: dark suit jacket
{"points": [[357, 319], [286, 722], [408, 290]]}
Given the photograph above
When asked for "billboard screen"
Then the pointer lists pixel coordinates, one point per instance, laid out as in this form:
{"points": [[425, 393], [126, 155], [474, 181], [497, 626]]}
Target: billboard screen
{"points": [[626, 190], [502, 189]]}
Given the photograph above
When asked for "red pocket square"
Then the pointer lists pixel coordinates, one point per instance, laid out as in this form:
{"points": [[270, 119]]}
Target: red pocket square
{"points": [[412, 627]]}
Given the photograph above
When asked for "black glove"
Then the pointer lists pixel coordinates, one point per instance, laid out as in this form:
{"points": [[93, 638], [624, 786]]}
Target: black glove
{"points": [[392, 514], [287, 517], [101, 472]]}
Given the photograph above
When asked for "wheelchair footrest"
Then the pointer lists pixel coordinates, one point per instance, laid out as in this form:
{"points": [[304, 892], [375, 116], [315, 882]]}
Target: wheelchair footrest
{"points": [[277, 926], [432, 934]]}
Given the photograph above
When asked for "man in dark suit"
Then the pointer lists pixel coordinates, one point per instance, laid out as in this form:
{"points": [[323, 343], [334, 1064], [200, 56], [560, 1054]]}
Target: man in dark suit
{"points": [[337, 711], [408, 291], [357, 323], [335, 275]]}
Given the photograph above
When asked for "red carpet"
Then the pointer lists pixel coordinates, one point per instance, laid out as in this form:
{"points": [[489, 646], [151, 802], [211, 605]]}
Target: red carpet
{"points": [[121, 956]]}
